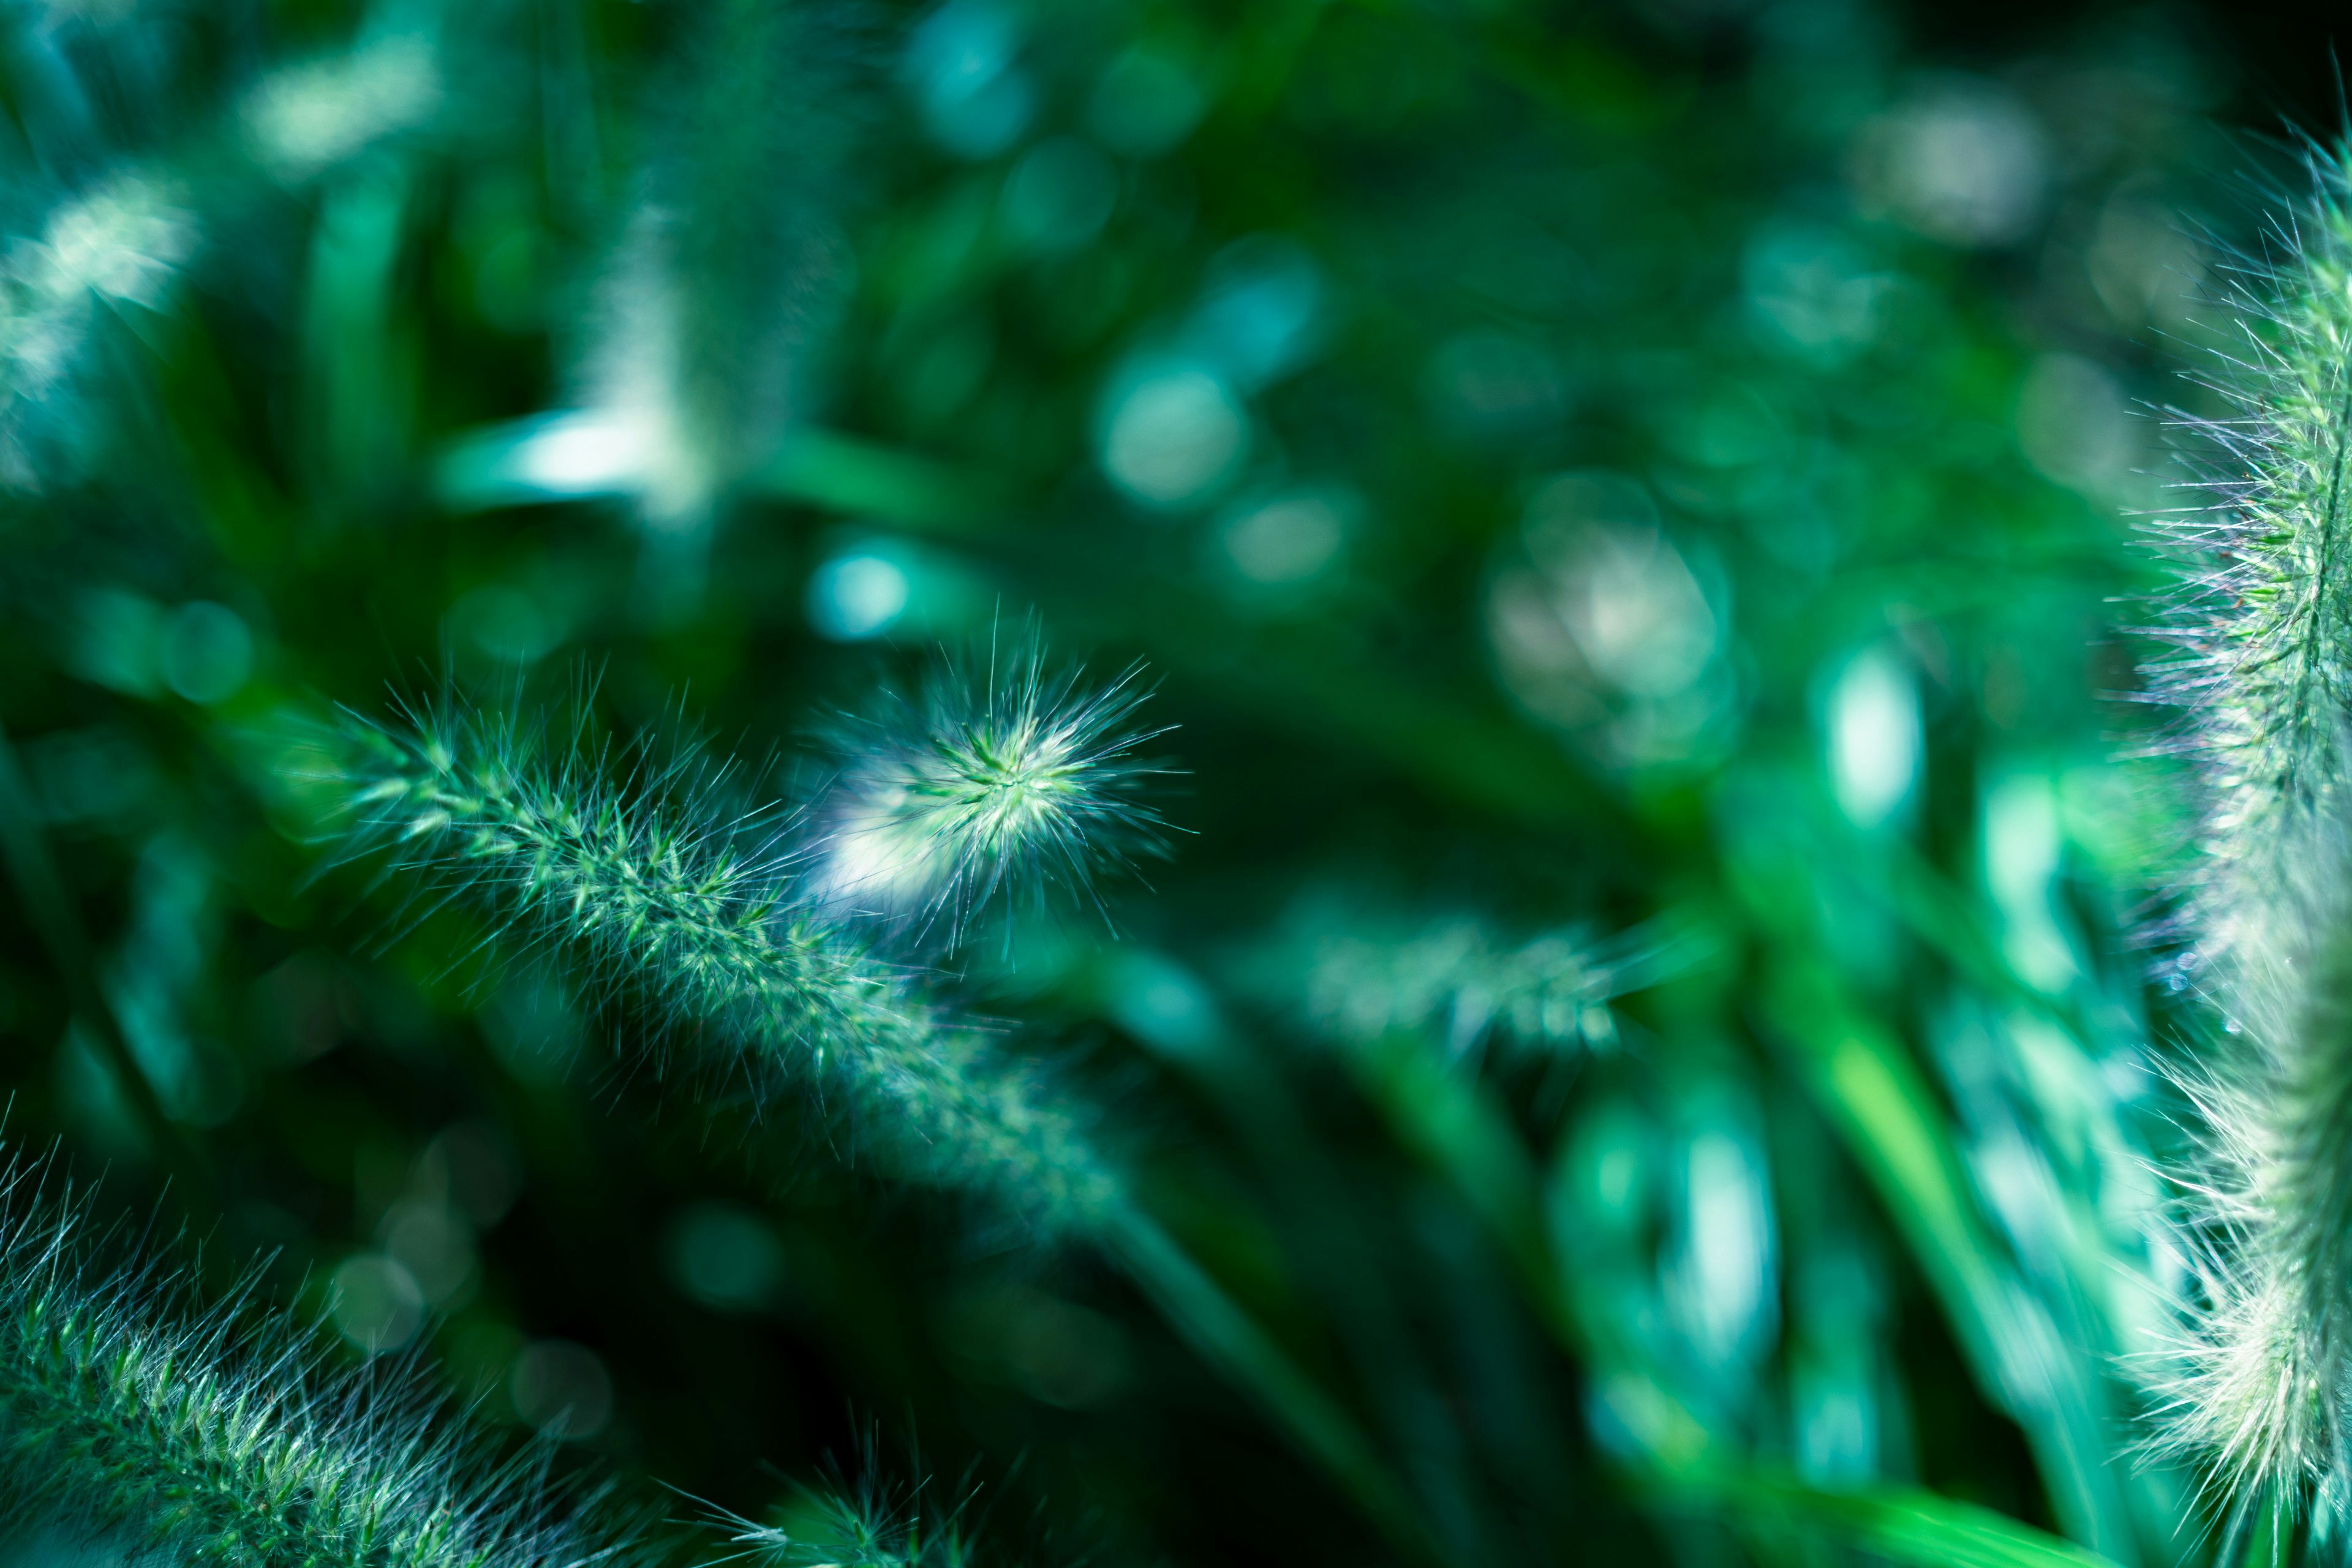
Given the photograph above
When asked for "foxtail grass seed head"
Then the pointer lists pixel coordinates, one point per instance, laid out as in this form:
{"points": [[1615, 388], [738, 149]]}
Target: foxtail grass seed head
{"points": [[1455, 982], [862, 1520], [634, 862], [117, 247], [2262, 666], [1023, 780], [133, 1431], [1359, 974], [732, 261]]}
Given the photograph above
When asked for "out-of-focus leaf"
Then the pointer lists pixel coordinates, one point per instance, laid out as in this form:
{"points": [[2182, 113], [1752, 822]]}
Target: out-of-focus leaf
{"points": [[1866, 1084], [1899, 1525]]}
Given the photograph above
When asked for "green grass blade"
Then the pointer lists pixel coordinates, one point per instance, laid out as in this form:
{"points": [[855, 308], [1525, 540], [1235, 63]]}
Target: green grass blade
{"points": [[1451, 1122], [1900, 1524], [1869, 1088]]}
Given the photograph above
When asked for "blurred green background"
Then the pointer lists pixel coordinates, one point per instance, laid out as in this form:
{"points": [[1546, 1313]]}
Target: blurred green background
{"points": [[1663, 471]]}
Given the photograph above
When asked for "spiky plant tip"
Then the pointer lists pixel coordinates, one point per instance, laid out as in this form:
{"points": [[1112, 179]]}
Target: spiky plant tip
{"points": [[1022, 779], [134, 1420], [2235, 1395], [1454, 980], [826, 1526], [2261, 629], [865, 1517]]}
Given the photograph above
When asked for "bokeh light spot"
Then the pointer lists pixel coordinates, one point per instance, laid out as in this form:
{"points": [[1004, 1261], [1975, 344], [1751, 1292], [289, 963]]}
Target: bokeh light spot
{"points": [[587, 453], [505, 624], [534, 1028], [435, 1244], [207, 653], [1962, 161], [2075, 425], [1623, 592], [1173, 437], [1260, 310], [1491, 382], [375, 1302], [854, 597], [309, 117], [1056, 1351], [562, 1389], [1160, 1003], [1810, 292], [722, 1256], [1874, 739], [1144, 105], [1060, 195], [976, 100], [1289, 539]]}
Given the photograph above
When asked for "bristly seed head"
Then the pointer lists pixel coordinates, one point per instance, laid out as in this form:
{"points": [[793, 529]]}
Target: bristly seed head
{"points": [[1022, 782], [228, 1436], [2262, 1392], [634, 864]]}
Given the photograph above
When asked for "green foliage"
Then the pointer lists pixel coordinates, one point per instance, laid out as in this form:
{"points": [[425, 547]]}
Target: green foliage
{"points": [[1636, 1015], [1454, 980]]}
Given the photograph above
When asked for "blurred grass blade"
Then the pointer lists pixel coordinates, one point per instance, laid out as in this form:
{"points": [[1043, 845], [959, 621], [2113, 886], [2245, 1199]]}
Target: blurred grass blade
{"points": [[1900, 1524], [825, 469], [361, 390], [587, 453], [1453, 1125], [1868, 1087], [1198, 1309], [1451, 1121]]}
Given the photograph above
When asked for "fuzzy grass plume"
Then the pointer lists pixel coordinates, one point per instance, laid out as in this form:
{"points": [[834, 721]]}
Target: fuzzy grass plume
{"points": [[863, 1521], [634, 861], [132, 1431], [1022, 781], [695, 359], [2263, 666]]}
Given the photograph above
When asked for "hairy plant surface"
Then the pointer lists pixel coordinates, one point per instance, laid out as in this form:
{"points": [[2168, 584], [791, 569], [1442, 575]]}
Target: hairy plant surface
{"points": [[230, 1437], [862, 1522], [968, 790], [2264, 670]]}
